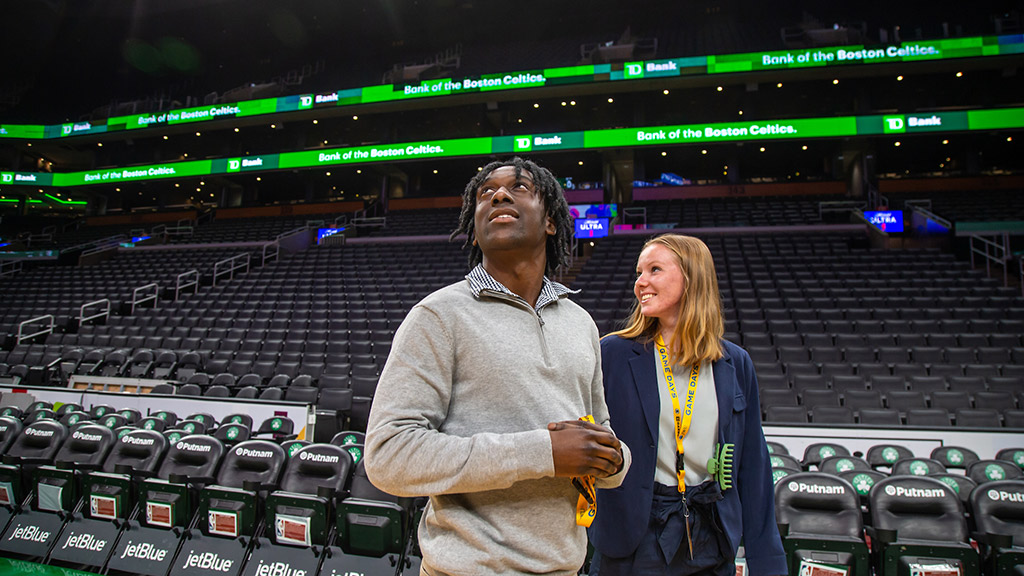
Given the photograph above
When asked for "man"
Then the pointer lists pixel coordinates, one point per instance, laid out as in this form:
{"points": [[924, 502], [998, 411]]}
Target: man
{"points": [[479, 402]]}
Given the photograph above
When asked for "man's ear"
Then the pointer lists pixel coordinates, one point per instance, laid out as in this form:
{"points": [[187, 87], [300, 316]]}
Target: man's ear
{"points": [[550, 226]]}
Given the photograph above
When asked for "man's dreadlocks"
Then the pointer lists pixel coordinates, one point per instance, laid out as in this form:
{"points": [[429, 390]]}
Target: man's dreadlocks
{"points": [[557, 208]]}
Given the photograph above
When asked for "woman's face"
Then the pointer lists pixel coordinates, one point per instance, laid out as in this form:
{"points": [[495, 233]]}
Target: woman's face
{"points": [[659, 284]]}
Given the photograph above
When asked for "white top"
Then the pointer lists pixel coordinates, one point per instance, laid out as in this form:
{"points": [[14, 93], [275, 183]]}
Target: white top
{"points": [[699, 443]]}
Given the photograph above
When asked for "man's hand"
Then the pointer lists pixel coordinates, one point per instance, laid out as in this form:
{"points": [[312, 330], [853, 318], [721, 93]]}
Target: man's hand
{"points": [[583, 449]]}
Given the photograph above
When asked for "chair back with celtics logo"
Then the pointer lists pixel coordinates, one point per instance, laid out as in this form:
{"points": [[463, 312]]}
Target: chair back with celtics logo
{"points": [[372, 522], [243, 419], [170, 498], [917, 467], [815, 453], [884, 456], [985, 471], [956, 457], [247, 472], [232, 433], [998, 511], [919, 522], [59, 487], [820, 517], [962, 485], [837, 464], [112, 492], [278, 427], [1015, 455], [299, 513]]}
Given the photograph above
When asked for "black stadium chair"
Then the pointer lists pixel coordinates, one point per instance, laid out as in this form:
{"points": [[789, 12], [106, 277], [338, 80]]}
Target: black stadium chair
{"points": [[229, 506], [314, 477], [820, 521], [815, 453], [918, 521], [997, 510], [985, 471], [957, 457], [886, 455]]}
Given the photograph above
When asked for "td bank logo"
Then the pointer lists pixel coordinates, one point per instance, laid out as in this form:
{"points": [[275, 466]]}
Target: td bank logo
{"points": [[523, 143], [65, 129], [6, 178], [305, 101], [893, 124], [633, 70], [234, 164]]}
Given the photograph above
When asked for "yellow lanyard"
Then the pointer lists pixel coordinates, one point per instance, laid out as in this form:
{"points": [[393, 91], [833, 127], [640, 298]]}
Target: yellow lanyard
{"points": [[682, 418]]}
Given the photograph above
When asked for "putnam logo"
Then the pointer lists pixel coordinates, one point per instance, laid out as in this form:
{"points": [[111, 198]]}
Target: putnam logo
{"points": [[914, 492], [87, 437], [38, 432], [137, 441], [317, 457], [254, 453], [193, 447], [1003, 496], [801, 487]]}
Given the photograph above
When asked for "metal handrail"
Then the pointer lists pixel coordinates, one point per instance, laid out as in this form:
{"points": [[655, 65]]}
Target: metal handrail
{"points": [[179, 231], [82, 318], [376, 221], [633, 212], [342, 220], [153, 291], [9, 267], [291, 232], [48, 330], [927, 213], [994, 253], [839, 206], [232, 264], [315, 223], [271, 250], [185, 280]]}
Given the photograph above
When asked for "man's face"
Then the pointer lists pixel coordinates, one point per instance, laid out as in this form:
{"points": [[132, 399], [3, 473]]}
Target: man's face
{"points": [[510, 213]]}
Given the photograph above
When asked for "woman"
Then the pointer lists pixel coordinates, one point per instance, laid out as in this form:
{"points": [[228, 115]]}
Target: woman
{"points": [[653, 523]]}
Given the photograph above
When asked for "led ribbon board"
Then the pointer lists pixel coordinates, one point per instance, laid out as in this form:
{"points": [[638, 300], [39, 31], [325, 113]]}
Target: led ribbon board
{"points": [[944, 49], [842, 126]]}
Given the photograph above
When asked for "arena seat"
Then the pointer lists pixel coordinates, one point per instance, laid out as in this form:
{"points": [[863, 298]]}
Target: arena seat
{"points": [[836, 465], [957, 457], [59, 487], [815, 453], [299, 513], [985, 471], [919, 521], [998, 512], [820, 521], [230, 506], [886, 455], [917, 467], [36, 445], [170, 499], [371, 522], [110, 490]]}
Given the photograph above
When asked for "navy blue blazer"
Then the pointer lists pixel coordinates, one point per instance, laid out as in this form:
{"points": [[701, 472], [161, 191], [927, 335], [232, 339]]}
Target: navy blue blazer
{"points": [[747, 510]]}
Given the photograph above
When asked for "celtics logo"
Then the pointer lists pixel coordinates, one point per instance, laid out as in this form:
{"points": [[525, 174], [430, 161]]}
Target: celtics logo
{"points": [[356, 453], [994, 472], [174, 437], [275, 424], [777, 462], [73, 419], [101, 411], [110, 422], [918, 468], [122, 433], [348, 439], [236, 419], [955, 456], [862, 483], [890, 454], [190, 427], [232, 433], [844, 465], [826, 451], [161, 415], [294, 448], [779, 474], [1018, 458], [951, 483], [149, 425]]}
